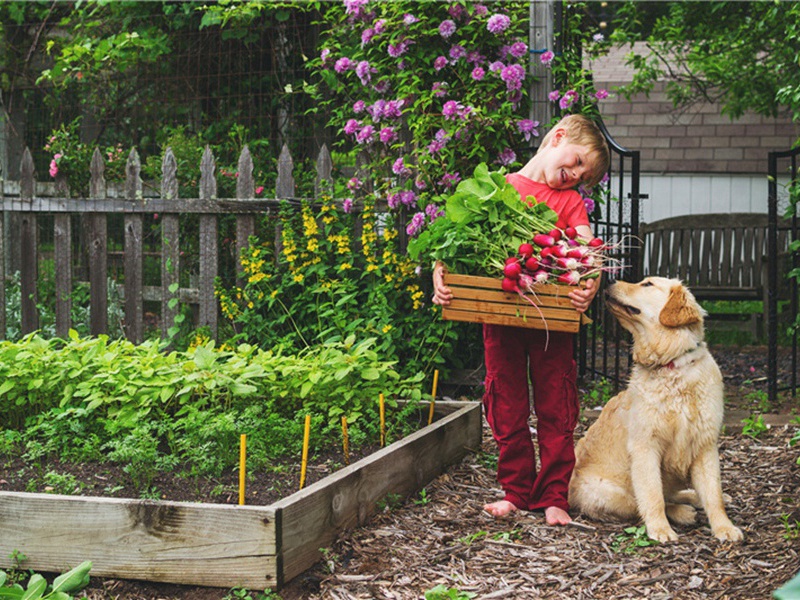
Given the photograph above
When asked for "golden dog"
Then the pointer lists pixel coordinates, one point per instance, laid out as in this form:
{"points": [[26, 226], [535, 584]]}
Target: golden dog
{"points": [[652, 454]]}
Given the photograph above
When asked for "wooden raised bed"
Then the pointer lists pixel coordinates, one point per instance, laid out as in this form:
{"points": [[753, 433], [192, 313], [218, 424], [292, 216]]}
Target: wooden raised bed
{"points": [[482, 300], [217, 545]]}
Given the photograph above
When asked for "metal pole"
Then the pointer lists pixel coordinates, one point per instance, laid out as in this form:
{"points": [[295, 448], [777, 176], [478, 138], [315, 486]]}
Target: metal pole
{"points": [[772, 278]]}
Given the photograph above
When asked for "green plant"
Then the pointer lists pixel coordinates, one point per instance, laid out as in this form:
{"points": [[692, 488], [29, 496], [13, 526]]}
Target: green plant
{"points": [[753, 426], [468, 540], [760, 398], [389, 502], [245, 594], [38, 588], [791, 527], [62, 483], [632, 540], [442, 592], [508, 536], [423, 498], [600, 392]]}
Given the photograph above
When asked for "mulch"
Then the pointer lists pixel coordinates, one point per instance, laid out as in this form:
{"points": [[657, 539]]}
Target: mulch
{"points": [[445, 538]]}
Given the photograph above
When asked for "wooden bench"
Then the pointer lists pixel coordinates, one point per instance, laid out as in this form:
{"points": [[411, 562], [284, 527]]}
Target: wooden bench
{"points": [[719, 256]]}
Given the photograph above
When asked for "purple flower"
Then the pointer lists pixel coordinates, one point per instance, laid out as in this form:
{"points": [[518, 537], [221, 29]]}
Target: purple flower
{"points": [[475, 58], [547, 57], [435, 146], [433, 212], [498, 23], [450, 109], [365, 135], [409, 19], [601, 94], [568, 99], [439, 88], [447, 28], [354, 183], [366, 36], [554, 95], [324, 55], [518, 49], [347, 205], [513, 76], [399, 168], [408, 197], [380, 25], [598, 37], [400, 49], [420, 184], [382, 86], [440, 63], [449, 180], [351, 126], [342, 65], [478, 74], [528, 128], [387, 135], [392, 109], [457, 52], [376, 110], [417, 221], [589, 204], [456, 11], [442, 136], [496, 66], [506, 157], [480, 10], [359, 106], [353, 7], [364, 72]]}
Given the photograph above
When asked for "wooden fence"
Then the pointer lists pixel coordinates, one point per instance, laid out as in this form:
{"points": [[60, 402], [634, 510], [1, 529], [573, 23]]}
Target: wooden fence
{"points": [[25, 210]]}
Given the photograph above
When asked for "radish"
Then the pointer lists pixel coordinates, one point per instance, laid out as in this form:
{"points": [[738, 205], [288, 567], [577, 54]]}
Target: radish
{"points": [[577, 252], [512, 270], [570, 264], [555, 234], [541, 276], [532, 264], [546, 251], [559, 251], [525, 281], [510, 285], [596, 242], [570, 232], [511, 259], [570, 278], [525, 250], [543, 240]]}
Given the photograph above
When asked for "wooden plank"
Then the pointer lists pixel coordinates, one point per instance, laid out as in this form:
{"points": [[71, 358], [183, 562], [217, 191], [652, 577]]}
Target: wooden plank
{"points": [[62, 250], [133, 267], [245, 224], [98, 250], [170, 246], [2, 275], [522, 310], [222, 206], [29, 250], [311, 518], [169, 542], [209, 250]]}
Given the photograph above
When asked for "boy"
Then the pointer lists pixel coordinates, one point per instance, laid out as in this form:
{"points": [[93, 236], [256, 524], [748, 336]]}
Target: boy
{"points": [[574, 152]]}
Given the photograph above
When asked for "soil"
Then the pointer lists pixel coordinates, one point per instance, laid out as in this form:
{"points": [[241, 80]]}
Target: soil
{"points": [[444, 537]]}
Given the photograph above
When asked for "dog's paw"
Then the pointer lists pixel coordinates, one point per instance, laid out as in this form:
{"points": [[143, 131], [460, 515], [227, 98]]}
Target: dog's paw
{"points": [[662, 533], [682, 514], [728, 533]]}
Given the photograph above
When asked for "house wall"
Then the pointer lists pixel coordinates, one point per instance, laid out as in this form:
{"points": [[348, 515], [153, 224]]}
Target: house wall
{"points": [[694, 160]]}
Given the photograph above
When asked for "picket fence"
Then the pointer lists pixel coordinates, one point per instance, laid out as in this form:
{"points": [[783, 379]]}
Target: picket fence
{"points": [[25, 210]]}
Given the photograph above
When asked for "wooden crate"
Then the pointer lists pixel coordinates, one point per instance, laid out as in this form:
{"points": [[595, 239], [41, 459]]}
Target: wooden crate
{"points": [[482, 300], [220, 545]]}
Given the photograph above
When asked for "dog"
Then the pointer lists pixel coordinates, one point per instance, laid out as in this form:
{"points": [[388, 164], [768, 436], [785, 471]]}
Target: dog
{"points": [[652, 454]]}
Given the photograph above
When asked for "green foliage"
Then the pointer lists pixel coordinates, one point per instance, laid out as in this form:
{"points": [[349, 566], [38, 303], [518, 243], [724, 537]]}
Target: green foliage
{"points": [[753, 426], [442, 592], [600, 392], [485, 221], [796, 436], [741, 54], [330, 283], [789, 591], [62, 483], [791, 527], [632, 540], [38, 589]]}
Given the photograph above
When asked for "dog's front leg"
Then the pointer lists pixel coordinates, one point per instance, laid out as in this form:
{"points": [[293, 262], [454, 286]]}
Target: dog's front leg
{"points": [[649, 492], [706, 480]]}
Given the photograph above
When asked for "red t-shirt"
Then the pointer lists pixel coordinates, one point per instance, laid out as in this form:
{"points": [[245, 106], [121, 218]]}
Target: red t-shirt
{"points": [[568, 204]]}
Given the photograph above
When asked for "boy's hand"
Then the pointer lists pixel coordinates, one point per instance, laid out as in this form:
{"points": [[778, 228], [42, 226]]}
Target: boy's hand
{"points": [[441, 293], [582, 297]]}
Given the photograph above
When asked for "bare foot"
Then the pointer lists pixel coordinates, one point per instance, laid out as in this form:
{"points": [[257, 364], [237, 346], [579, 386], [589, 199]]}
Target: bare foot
{"points": [[556, 516], [501, 508]]}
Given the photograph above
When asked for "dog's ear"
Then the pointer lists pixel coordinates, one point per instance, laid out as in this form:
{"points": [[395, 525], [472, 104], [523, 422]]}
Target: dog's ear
{"points": [[680, 310]]}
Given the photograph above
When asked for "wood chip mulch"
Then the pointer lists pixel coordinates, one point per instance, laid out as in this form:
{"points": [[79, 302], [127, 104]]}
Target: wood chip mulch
{"points": [[444, 538]]}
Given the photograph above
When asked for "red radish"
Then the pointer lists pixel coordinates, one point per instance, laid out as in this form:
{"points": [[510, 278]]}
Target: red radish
{"points": [[525, 281], [532, 264], [541, 276], [555, 234], [559, 250], [511, 259], [596, 242], [570, 232], [525, 250], [543, 240], [510, 285], [576, 252], [546, 251], [570, 264], [512, 270], [570, 278]]}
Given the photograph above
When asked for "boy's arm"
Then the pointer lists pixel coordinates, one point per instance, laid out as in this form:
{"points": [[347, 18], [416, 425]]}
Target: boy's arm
{"points": [[582, 297], [441, 293]]}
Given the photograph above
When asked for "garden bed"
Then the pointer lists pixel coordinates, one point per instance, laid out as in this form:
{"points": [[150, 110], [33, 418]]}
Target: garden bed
{"points": [[219, 545]]}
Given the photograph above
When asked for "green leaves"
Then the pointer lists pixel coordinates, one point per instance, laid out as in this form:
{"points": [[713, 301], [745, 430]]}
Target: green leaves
{"points": [[37, 588]]}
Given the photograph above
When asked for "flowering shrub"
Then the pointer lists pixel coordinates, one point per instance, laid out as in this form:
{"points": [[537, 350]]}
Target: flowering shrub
{"points": [[425, 91], [330, 282]]}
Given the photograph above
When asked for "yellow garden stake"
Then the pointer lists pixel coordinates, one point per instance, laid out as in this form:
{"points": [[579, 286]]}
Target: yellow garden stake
{"points": [[304, 464], [433, 395], [383, 420], [242, 466], [345, 442]]}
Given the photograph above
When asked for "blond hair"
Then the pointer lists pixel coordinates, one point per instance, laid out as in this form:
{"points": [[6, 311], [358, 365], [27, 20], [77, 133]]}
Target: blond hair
{"points": [[581, 130]]}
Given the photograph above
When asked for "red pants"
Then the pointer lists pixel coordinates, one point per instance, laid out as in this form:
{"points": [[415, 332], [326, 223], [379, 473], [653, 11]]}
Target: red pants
{"points": [[511, 353]]}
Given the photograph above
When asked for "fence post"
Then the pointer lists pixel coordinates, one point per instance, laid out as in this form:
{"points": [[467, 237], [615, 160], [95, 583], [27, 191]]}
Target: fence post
{"points": [[62, 250], [284, 189], [208, 246], [324, 170], [29, 251], [98, 249], [134, 251], [170, 245], [245, 224]]}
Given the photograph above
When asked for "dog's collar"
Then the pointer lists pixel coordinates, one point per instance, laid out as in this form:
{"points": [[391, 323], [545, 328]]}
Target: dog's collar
{"points": [[678, 361]]}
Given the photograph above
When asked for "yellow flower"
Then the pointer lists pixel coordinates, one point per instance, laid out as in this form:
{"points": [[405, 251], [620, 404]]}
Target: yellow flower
{"points": [[298, 278], [387, 328], [345, 266], [371, 267]]}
